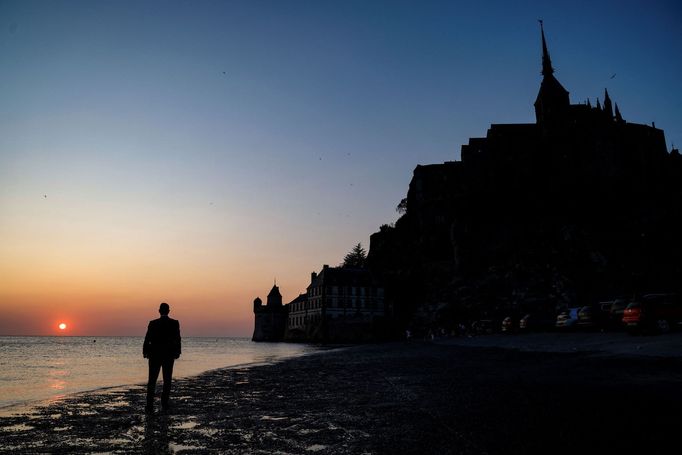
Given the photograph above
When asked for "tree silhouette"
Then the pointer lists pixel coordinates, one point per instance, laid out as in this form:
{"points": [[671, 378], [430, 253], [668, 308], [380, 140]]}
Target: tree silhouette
{"points": [[402, 206], [357, 257]]}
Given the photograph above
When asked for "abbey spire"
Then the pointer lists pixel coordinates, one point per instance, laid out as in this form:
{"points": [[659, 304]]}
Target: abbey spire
{"points": [[552, 103], [546, 61]]}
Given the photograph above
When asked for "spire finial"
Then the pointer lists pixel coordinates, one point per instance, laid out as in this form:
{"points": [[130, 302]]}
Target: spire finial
{"points": [[546, 61]]}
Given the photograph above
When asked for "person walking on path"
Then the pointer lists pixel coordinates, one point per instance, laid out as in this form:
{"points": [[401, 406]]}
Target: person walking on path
{"points": [[161, 347]]}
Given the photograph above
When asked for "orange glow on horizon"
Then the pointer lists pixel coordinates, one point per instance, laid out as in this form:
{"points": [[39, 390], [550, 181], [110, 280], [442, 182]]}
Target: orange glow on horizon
{"points": [[205, 306]]}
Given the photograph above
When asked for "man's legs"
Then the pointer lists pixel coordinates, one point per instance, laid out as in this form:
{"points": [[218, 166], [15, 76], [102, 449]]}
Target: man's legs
{"points": [[154, 367], [167, 377]]}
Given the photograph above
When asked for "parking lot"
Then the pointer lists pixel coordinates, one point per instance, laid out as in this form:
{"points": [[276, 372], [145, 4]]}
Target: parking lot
{"points": [[602, 343]]}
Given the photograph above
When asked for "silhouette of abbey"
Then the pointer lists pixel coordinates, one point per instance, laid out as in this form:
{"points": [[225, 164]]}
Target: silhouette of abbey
{"points": [[579, 206]]}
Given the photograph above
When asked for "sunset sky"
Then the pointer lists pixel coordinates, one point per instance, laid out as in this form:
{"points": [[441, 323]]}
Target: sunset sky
{"points": [[192, 151]]}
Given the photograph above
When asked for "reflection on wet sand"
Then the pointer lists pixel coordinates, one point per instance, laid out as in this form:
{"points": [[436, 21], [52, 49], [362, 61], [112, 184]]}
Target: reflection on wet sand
{"points": [[156, 434], [394, 398], [211, 412], [46, 368]]}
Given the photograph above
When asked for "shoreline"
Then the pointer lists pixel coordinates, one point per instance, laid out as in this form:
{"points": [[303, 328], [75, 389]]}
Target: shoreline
{"points": [[27, 407], [401, 397], [597, 343], [44, 369]]}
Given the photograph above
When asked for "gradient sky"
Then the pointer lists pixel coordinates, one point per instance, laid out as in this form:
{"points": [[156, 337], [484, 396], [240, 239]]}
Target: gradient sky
{"points": [[192, 151]]}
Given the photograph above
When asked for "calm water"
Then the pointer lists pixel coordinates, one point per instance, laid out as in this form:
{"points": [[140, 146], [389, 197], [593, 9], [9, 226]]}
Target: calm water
{"points": [[47, 368]]}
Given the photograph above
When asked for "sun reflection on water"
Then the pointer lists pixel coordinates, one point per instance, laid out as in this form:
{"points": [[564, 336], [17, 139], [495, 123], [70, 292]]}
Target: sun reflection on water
{"points": [[57, 375], [48, 368]]}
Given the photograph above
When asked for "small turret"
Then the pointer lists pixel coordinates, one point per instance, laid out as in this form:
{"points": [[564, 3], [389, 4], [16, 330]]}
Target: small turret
{"points": [[608, 108], [619, 118], [274, 297]]}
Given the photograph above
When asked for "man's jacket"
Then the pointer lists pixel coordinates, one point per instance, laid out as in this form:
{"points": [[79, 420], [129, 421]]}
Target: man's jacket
{"points": [[162, 339]]}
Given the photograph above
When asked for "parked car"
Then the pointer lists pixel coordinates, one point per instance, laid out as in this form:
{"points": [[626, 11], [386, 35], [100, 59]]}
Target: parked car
{"points": [[595, 317], [509, 324], [537, 322], [567, 319], [588, 318], [482, 326], [654, 313], [614, 310]]}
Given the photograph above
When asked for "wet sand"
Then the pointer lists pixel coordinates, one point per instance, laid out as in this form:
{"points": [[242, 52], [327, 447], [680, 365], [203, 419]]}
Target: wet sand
{"points": [[411, 398]]}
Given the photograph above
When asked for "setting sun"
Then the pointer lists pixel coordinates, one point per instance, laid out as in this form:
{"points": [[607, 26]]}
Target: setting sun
{"points": [[62, 326]]}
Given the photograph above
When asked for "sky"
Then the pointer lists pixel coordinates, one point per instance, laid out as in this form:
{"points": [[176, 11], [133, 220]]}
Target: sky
{"points": [[195, 151]]}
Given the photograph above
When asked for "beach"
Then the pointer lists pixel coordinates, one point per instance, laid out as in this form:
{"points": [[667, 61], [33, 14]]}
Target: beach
{"points": [[449, 396], [35, 369]]}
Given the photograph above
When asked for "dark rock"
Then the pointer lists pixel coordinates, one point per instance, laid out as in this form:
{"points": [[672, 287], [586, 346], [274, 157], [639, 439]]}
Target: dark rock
{"points": [[580, 205]]}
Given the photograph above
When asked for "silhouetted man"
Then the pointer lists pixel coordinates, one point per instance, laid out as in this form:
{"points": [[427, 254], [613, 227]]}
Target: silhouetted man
{"points": [[161, 347]]}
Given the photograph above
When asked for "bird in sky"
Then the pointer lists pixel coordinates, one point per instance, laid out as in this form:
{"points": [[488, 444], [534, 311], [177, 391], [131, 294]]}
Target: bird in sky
{"points": [[614, 75]]}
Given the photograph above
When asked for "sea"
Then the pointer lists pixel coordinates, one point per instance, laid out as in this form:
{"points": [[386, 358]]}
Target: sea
{"points": [[36, 370]]}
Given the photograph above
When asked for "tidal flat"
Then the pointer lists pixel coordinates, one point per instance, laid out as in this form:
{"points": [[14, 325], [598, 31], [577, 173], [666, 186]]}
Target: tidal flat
{"points": [[394, 398]]}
